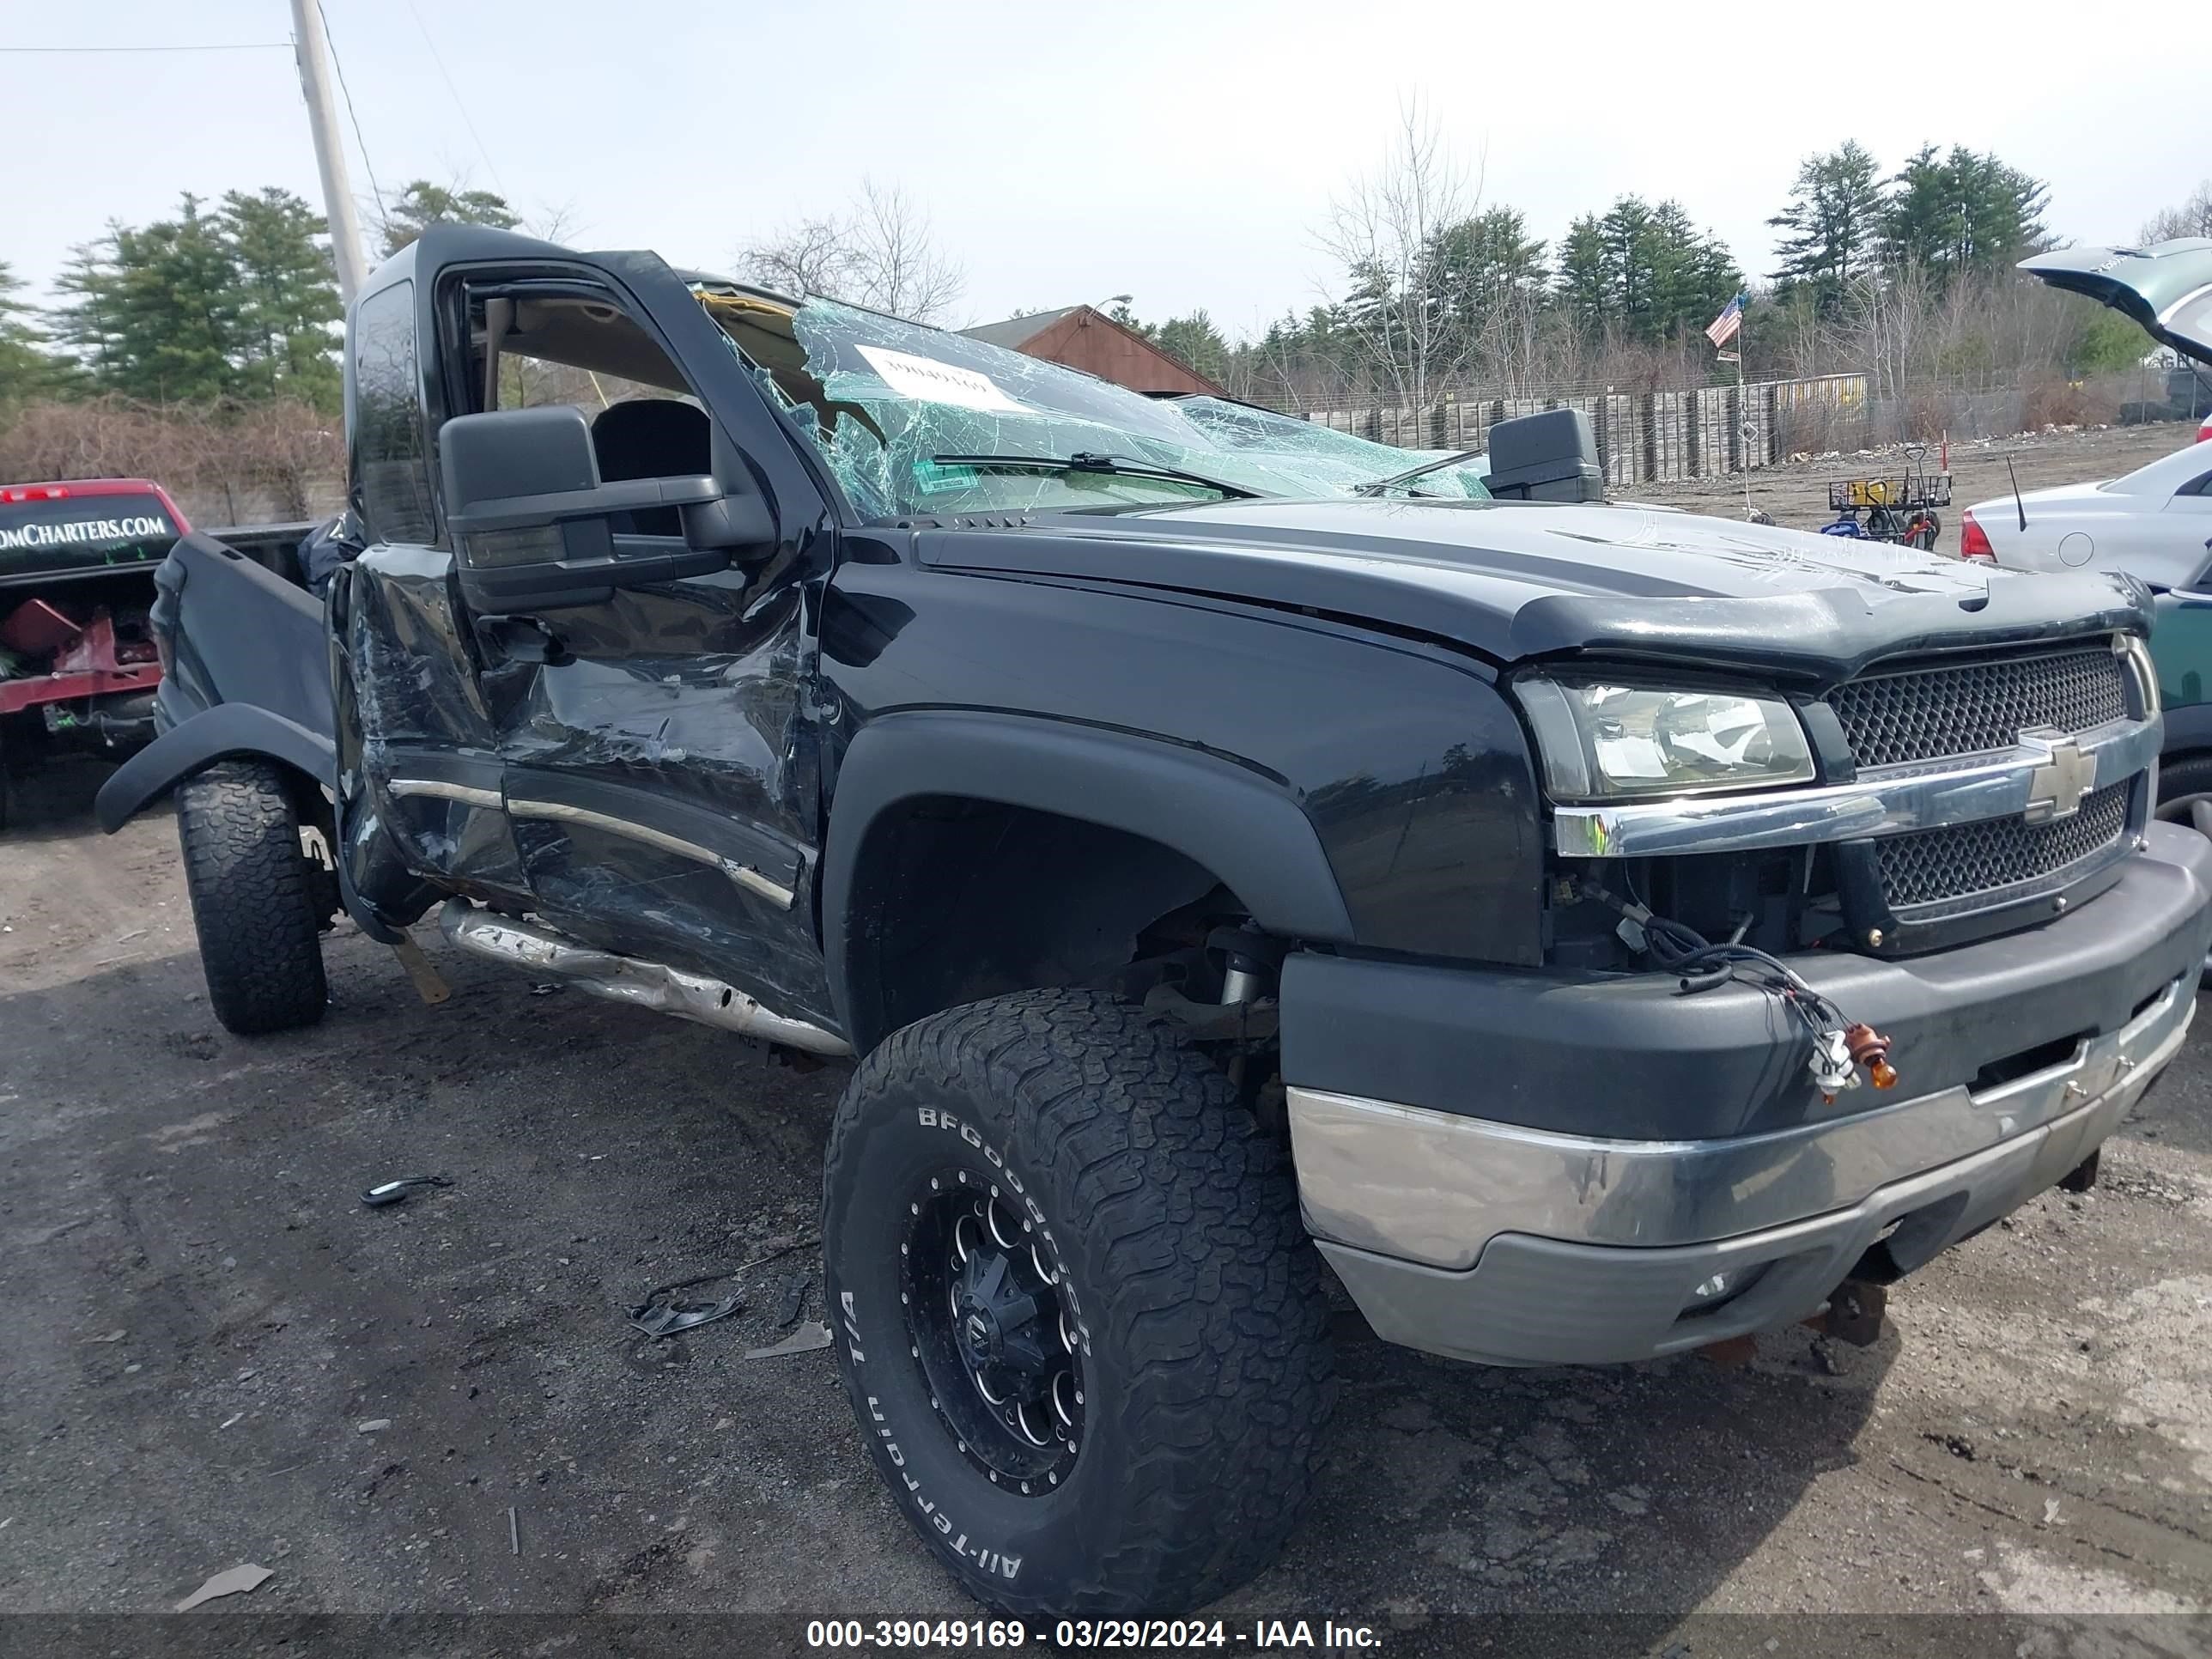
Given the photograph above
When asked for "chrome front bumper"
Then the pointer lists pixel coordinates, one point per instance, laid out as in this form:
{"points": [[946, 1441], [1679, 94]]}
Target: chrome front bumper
{"points": [[1492, 1241]]}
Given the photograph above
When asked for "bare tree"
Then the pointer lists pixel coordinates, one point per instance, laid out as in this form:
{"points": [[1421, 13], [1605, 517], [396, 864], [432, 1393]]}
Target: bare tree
{"points": [[807, 256], [898, 266], [878, 252], [1889, 325], [1383, 231], [2192, 218]]}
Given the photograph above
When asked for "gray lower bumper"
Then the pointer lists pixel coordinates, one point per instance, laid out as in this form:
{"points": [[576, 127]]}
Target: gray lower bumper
{"points": [[1494, 1242]]}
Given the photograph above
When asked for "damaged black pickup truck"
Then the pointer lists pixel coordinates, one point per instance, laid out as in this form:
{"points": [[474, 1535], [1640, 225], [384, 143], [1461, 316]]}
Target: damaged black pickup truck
{"points": [[1595, 933]]}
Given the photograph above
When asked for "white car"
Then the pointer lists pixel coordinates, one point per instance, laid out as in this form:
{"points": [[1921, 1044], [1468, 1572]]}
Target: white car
{"points": [[2154, 522]]}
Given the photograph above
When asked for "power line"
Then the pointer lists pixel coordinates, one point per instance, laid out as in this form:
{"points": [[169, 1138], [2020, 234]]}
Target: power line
{"points": [[346, 92], [458, 104], [233, 46]]}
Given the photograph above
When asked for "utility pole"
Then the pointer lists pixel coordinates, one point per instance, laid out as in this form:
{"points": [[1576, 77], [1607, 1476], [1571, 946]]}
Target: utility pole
{"points": [[312, 51]]}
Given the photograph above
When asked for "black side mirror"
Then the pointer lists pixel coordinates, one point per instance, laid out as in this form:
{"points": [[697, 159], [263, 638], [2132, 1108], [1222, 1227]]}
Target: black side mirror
{"points": [[534, 527], [1549, 456]]}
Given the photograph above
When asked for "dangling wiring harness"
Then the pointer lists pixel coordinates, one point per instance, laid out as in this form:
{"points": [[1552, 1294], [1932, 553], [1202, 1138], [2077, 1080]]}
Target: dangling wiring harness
{"points": [[1840, 1045]]}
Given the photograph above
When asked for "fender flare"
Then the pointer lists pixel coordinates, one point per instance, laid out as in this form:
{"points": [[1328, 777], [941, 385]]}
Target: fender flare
{"points": [[1236, 822], [194, 744]]}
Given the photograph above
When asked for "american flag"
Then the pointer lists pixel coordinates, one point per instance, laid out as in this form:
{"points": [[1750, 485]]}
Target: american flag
{"points": [[1725, 325]]}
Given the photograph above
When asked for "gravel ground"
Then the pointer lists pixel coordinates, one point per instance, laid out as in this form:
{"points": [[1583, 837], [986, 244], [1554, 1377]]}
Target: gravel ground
{"points": [[217, 1355]]}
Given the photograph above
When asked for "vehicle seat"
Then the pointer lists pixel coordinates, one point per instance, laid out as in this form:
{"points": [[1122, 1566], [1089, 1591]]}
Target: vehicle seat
{"points": [[652, 438]]}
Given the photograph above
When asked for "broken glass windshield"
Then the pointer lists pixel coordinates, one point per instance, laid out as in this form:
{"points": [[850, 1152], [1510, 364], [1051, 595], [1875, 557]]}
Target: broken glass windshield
{"points": [[883, 399]]}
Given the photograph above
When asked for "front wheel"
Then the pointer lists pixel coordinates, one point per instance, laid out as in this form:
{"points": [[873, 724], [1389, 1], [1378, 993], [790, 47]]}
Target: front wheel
{"points": [[1078, 1318], [254, 891]]}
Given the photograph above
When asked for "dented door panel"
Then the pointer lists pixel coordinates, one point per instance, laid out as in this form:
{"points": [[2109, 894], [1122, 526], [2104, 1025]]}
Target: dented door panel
{"points": [[421, 726], [660, 778]]}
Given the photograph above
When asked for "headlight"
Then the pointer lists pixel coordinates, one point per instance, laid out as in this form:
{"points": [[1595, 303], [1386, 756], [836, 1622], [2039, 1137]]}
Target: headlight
{"points": [[1601, 741]]}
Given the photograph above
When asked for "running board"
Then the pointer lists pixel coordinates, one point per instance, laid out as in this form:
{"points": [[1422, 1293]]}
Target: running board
{"points": [[537, 949]]}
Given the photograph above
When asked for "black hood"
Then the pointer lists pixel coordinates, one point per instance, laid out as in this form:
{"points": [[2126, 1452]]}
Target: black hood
{"points": [[1514, 580]]}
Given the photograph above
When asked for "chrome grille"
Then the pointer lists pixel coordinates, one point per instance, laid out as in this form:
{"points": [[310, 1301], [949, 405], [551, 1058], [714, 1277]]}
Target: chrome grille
{"points": [[1968, 861], [1969, 707]]}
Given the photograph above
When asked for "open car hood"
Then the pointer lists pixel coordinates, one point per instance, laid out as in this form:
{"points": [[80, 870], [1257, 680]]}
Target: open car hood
{"points": [[2166, 287]]}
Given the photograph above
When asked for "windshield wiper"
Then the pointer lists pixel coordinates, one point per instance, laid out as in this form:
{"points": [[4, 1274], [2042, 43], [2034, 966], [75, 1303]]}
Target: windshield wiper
{"points": [[1377, 486], [1089, 461]]}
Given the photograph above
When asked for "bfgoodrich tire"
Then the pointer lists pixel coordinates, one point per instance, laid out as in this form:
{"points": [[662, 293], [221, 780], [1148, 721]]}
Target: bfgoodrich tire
{"points": [[253, 898], [1079, 1319]]}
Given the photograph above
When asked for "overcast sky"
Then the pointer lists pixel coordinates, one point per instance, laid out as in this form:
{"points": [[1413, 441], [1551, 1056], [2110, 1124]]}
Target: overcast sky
{"points": [[1181, 153]]}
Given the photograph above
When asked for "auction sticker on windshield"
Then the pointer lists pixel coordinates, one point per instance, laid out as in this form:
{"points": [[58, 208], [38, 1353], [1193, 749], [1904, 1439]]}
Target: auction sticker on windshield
{"points": [[929, 382]]}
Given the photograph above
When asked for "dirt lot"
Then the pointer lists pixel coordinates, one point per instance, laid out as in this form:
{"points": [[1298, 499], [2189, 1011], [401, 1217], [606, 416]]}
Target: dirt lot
{"points": [[1796, 495], [217, 1355]]}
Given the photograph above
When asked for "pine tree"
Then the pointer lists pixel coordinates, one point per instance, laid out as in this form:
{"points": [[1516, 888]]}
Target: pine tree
{"points": [[1624, 234], [1481, 266], [1581, 285], [1194, 343], [28, 369], [240, 303], [422, 204], [153, 312], [1674, 254], [1961, 212], [180, 306], [1834, 221], [288, 297], [88, 323], [1647, 272]]}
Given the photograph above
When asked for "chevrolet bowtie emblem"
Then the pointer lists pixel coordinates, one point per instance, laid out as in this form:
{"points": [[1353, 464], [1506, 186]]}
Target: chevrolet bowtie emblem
{"points": [[2056, 788]]}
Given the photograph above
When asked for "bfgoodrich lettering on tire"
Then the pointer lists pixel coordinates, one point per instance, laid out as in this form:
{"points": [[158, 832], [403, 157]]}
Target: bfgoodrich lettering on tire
{"points": [[1079, 1317]]}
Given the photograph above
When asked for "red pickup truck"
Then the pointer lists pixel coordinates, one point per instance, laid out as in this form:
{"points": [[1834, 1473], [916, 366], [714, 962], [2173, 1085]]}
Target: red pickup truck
{"points": [[77, 664]]}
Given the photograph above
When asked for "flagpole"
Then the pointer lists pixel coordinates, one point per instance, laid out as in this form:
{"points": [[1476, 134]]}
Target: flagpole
{"points": [[1743, 409]]}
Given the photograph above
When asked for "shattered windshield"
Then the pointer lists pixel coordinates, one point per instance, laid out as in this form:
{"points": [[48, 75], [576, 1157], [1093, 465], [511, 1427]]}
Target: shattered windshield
{"points": [[886, 402]]}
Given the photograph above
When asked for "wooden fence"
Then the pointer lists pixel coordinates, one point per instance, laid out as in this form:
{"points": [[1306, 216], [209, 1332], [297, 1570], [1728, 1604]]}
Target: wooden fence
{"points": [[1643, 437]]}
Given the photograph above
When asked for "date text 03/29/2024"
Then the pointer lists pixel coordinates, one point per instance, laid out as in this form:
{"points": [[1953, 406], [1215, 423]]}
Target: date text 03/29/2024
{"points": [[1261, 1636]]}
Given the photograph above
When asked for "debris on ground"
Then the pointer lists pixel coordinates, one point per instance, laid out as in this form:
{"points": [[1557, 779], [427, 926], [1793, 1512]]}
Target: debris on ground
{"points": [[391, 1192], [666, 1318], [231, 1581], [794, 1302], [373, 1425], [805, 1339], [657, 1316], [514, 1533]]}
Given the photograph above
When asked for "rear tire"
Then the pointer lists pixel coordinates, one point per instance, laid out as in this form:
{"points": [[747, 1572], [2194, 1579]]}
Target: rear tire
{"points": [[253, 891], [1143, 1214]]}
